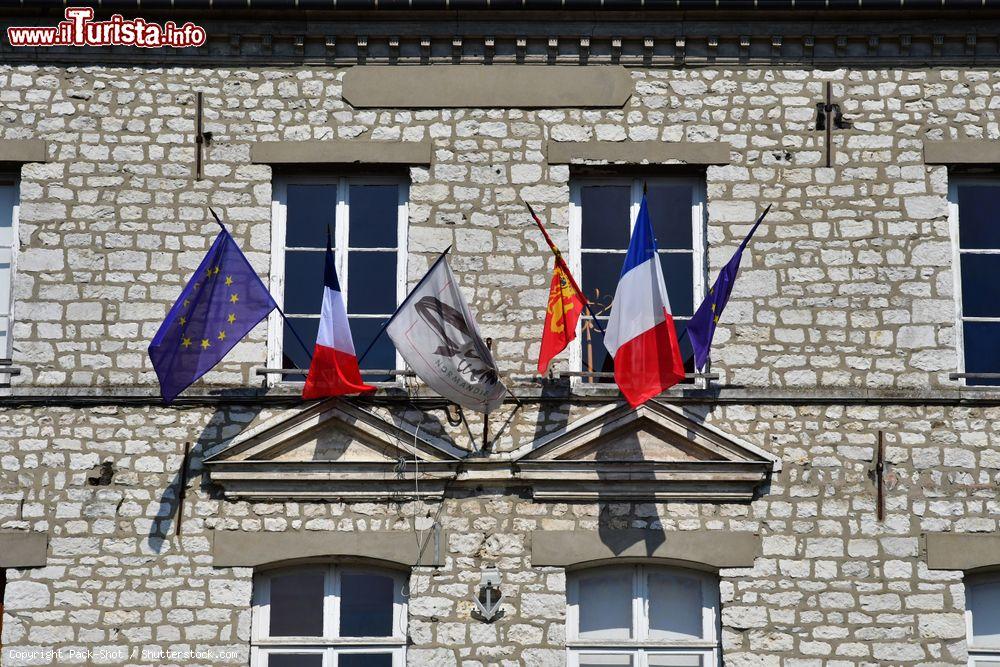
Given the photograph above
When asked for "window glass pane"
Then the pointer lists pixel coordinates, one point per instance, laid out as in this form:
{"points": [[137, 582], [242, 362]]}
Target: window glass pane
{"points": [[605, 605], [310, 209], [374, 216], [605, 660], [304, 281], [382, 355], [982, 353], [674, 606], [679, 277], [978, 223], [8, 197], [366, 606], [594, 355], [670, 212], [980, 287], [295, 660], [599, 278], [986, 615], [371, 282], [297, 605], [364, 660], [605, 216], [674, 660], [293, 356]]}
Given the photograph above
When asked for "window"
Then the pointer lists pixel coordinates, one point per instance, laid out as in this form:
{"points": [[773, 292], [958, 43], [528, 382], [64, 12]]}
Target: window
{"points": [[367, 220], [8, 246], [329, 616], [976, 238], [982, 618], [642, 616], [602, 214]]}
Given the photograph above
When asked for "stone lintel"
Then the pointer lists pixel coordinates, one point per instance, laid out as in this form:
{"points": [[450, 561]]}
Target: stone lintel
{"points": [[23, 549], [962, 551], [342, 152], [23, 150], [712, 549], [962, 152], [231, 548], [637, 152], [491, 86]]}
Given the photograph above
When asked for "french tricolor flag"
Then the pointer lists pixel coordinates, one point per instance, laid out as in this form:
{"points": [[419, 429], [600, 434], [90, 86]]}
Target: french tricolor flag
{"points": [[640, 334], [334, 369]]}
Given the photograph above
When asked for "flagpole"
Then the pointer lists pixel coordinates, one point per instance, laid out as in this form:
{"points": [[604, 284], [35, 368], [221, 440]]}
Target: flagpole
{"points": [[565, 267], [393, 316], [291, 328]]}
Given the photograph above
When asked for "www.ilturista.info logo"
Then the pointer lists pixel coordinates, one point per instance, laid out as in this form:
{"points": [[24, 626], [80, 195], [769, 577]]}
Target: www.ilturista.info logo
{"points": [[79, 29]]}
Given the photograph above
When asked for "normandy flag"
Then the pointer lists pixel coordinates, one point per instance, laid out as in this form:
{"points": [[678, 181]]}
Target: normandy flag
{"points": [[221, 303]]}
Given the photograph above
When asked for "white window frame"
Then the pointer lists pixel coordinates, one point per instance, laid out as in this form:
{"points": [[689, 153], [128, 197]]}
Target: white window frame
{"points": [[698, 235], [7, 350], [639, 646], [956, 263], [330, 645], [978, 654], [279, 223]]}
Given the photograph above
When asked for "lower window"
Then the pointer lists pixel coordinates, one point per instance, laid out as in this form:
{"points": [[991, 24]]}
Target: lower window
{"points": [[329, 616], [642, 616], [982, 597]]}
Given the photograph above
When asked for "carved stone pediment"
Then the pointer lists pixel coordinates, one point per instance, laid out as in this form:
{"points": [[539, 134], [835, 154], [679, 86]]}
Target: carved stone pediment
{"points": [[653, 452], [331, 450]]}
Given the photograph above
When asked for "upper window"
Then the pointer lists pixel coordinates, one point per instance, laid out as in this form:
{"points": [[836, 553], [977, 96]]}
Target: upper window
{"points": [[329, 616], [603, 213], [367, 221], [8, 247], [982, 604], [642, 616], [977, 246]]}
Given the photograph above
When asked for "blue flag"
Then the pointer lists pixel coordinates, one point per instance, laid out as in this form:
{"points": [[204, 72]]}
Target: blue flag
{"points": [[701, 328], [221, 303]]}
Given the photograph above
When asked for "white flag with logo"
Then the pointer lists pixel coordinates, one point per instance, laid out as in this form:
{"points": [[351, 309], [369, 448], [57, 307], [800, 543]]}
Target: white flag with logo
{"points": [[434, 331]]}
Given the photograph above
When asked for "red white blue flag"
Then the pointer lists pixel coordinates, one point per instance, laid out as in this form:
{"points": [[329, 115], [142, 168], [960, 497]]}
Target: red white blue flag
{"points": [[640, 334], [334, 369]]}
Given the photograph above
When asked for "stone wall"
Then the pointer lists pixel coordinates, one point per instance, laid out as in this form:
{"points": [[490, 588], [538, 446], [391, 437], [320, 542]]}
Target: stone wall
{"points": [[832, 584]]}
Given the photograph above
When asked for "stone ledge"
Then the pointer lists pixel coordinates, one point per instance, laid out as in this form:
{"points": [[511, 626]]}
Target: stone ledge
{"points": [[490, 86], [962, 551], [962, 152], [232, 548], [23, 549], [23, 150], [712, 549], [342, 152], [636, 152]]}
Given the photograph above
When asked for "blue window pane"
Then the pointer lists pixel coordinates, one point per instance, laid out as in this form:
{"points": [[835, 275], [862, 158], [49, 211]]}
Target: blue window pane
{"points": [[687, 352], [366, 605], [310, 209], [670, 212], [599, 278], [297, 605], [374, 216], [594, 355], [364, 660], [978, 224], [293, 355], [982, 350], [677, 274], [605, 216], [295, 660], [371, 287], [980, 285], [303, 281], [382, 355]]}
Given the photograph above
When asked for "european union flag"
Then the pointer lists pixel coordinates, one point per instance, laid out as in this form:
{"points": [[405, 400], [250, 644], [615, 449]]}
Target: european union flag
{"points": [[221, 303], [701, 328]]}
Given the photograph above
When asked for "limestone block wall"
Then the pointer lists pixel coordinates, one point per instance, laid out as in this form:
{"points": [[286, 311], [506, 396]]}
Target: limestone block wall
{"points": [[849, 285], [833, 585]]}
